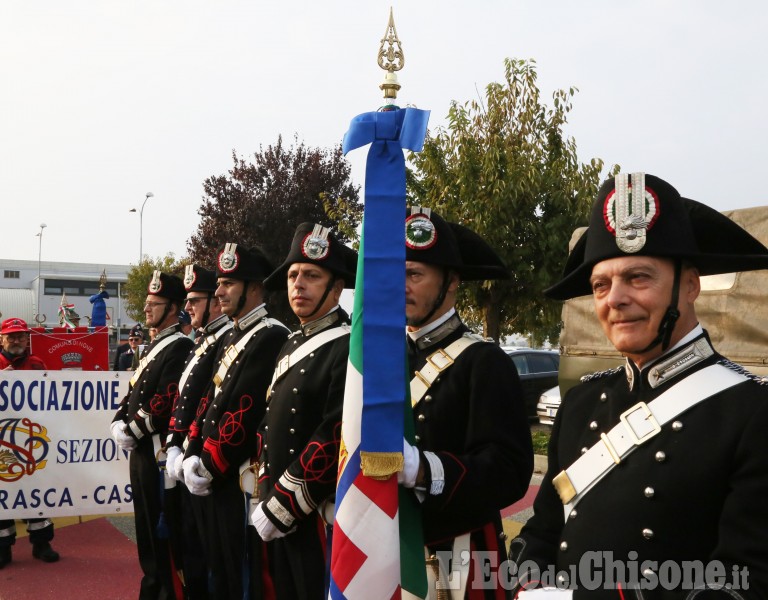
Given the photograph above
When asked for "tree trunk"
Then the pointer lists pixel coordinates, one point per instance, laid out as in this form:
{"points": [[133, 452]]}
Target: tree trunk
{"points": [[492, 318]]}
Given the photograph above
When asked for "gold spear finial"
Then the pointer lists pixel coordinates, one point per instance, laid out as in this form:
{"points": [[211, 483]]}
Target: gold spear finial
{"points": [[391, 59], [103, 280]]}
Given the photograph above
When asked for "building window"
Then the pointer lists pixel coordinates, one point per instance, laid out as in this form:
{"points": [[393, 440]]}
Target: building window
{"points": [[76, 287], [11, 274]]}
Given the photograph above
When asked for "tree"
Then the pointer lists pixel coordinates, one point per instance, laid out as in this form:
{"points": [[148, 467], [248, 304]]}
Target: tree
{"points": [[260, 203], [506, 169], [135, 289]]}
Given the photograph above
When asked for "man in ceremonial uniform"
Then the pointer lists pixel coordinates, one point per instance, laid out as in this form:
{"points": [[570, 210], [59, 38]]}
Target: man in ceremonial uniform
{"points": [[211, 326], [224, 436], [658, 470], [473, 454], [124, 360], [141, 426], [15, 356], [301, 430]]}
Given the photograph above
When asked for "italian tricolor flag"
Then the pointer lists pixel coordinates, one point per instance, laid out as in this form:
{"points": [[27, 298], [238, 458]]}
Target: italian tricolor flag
{"points": [[378, 548]]}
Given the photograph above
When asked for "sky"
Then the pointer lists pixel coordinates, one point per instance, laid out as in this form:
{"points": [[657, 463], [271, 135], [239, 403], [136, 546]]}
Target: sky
{"points": [[103, 101]]}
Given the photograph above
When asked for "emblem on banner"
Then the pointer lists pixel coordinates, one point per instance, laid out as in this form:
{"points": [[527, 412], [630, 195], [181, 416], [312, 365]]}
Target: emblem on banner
{"points": [[315, 245], [23, 448], [420, 232], [228, 258], [72, 361]]}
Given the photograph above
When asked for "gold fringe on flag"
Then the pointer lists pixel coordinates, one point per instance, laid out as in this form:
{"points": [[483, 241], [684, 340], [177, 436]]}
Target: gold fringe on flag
{"points": [[381, 465]]}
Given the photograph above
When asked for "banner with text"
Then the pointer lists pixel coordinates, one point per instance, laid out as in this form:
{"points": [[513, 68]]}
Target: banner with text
{"points": [[81, 349], [57, 457]]}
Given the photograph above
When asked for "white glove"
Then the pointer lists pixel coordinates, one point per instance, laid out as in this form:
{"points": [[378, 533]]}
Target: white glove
{"points": [[122, 439], [177, 467], [196, 476], [264, 526], [171, 456], [407, 477]]}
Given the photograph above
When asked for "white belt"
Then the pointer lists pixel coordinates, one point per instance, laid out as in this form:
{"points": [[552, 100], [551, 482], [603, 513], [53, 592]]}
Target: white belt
{"points": [[319, 339], [437, 362], [636, 426]]}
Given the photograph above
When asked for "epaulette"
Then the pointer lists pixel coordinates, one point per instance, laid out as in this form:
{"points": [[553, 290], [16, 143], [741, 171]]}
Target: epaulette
{"points": [[601, 374], [762, 380]]}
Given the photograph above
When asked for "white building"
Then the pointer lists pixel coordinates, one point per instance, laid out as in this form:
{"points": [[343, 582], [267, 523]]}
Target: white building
{"points": [[24, 283]]}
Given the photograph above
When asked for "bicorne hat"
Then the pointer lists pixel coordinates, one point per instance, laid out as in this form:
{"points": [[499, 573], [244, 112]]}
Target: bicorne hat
{"points": [[239, 262], [136, 331], [199, 279], [657, 222], [315, 244], [431, 239], [166, 286]]}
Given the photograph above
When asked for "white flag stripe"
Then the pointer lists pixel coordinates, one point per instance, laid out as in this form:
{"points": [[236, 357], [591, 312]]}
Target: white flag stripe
{"points": [[353, 409], [379, 540]]}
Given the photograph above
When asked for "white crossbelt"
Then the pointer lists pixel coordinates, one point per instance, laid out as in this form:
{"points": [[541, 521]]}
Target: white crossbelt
{"points": [[231, 354], [153, 354], [209, 340], [636, 426], [437, 362], [289, 360]]}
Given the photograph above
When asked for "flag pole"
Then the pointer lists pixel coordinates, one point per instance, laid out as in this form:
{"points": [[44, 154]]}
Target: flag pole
{"points": [[369, 531]]}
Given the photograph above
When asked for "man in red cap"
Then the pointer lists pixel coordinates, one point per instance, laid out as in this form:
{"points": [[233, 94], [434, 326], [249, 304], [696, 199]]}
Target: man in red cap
{"points": [[15, 355], [658, 469], [141, 425]]}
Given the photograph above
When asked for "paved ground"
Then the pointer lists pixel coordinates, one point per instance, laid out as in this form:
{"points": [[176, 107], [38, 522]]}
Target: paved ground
{"points": [[98, 556]]}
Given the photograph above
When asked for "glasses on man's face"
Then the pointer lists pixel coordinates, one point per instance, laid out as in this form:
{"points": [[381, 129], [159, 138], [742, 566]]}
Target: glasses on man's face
{"points": [[194, 301], [16, 337], [152, 305], [133, 339]]}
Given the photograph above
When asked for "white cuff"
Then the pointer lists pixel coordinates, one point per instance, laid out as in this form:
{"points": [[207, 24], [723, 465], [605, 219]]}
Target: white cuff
{"points": [[437, 473]]}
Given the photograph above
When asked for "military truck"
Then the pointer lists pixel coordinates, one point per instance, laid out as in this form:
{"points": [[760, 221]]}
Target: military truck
{"points": [[733, 308]]}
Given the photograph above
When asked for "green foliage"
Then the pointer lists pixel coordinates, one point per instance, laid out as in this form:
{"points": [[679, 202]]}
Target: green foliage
{"points": [[506, 169], [540, 441], [135, 288]]}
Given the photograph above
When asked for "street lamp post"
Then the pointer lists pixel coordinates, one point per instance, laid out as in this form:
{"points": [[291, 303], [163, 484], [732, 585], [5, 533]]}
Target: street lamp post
{"points": [[147, 196], [39, 317]]}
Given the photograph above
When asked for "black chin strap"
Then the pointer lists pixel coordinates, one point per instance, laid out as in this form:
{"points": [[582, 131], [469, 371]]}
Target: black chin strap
{"points": [[207, 311], [166, 310], [438, 301], [320, 302], [671, 316], [241, 300]]}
